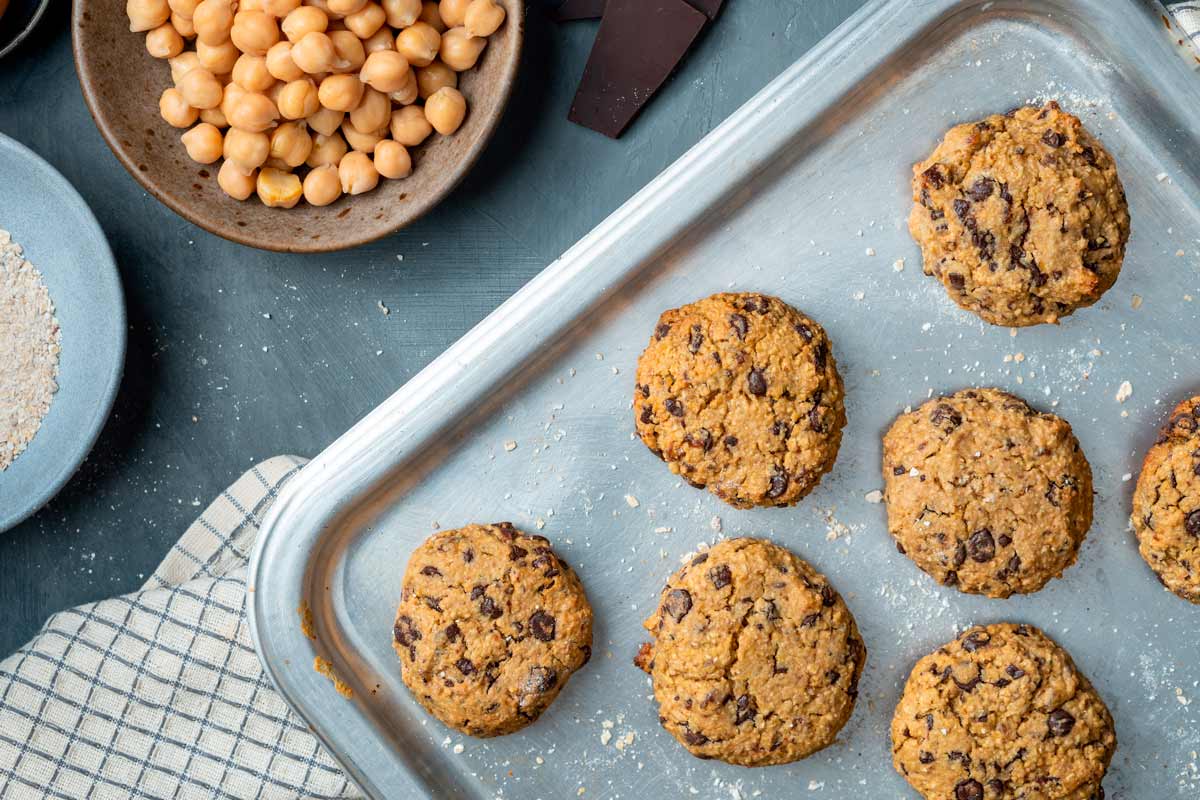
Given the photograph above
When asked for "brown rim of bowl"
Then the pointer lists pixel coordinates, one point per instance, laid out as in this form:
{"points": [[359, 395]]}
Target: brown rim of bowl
{"points": [[415, 212]]}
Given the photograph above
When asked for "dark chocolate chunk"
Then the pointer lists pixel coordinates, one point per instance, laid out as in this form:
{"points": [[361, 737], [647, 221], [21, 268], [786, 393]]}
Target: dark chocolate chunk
{"points": [[981, 189], [981, 546], [720, 576], [1060, 722], [541, 625], [756, 383], [488, 607], [465, 666], [779, 483], [968, 790], [974, 641], [539, 681], [405, 632], [740, 325], [1191, 523], [678, 603], [746, 709], [431, 571], [1053, 138], [695, 340]]}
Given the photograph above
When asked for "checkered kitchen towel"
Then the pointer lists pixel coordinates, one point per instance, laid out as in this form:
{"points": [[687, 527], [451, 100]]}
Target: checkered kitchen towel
{"points": [[158, 694]]}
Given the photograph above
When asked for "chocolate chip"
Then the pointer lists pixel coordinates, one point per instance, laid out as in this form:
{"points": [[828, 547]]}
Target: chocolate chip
{"points": [[968, 790], [951, 578], [468, 555], [431, 571], [820, 352], [1060, 722], [547, 563], [516, 553], [695, 339], [809, 620], [720, 576], [945, 417], [673, 406], [934, 177], [924, 757], [433, 602], [1191, 523], [647, 415], [661, 331], [976, 640], [981, 189], [746, 709], [1014, 672], [700, 559], [981, 547], [1053, 138], [477, 591], [1013, 565], [405, 632], [779, 483], [453, 632], [677, 604], [693, 738], [756, 383], [771, 610], [804, 331], [539, 680], [739, 324], [960, 555], [899, 469], [731, 441], [1003, 540], [814, 420], [962, 209], [488, 607], [702, 438], [586, 649], [828, 595], [541, 625], [465, 666]]}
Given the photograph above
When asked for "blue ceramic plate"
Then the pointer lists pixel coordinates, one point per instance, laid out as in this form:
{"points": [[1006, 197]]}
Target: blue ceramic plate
{"points": [[49, 219]]}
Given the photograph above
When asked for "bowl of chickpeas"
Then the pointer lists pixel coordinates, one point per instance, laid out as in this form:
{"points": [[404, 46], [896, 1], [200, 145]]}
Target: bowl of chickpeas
{"points": [[298, 125]]}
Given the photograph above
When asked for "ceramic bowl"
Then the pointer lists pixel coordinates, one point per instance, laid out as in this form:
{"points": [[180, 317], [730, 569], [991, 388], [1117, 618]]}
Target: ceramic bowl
{"points": [[122, 83], [18, 21]]}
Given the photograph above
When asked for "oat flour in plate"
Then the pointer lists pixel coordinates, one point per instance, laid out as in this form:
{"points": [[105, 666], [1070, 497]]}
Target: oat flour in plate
{"points": [[29, 346]]}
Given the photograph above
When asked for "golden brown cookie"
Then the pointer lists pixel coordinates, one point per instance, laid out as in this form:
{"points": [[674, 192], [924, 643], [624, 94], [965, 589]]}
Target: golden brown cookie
{"points": [[1022, 216], [756, 659], [1001, 713], [491, 625], [986, 494], [740, 394], [1166, 503]]}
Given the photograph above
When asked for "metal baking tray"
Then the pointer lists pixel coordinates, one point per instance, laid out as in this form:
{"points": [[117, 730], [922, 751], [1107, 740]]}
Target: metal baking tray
{"points": [[802, 193]]}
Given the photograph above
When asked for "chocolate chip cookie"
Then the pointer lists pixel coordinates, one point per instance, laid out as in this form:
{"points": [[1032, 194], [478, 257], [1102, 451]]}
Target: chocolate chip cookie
{"points": [[1001, 713], [1166, 503], [756, 659], [740, 394], [491, 626], [1022, 216], [986, 494]]}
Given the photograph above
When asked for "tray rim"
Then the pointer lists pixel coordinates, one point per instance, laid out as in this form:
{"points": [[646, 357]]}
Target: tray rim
{"points": [[398, 428]]}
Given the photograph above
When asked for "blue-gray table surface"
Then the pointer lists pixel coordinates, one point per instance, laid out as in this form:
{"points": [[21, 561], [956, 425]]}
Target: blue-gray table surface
{"points": [[236, 355]]}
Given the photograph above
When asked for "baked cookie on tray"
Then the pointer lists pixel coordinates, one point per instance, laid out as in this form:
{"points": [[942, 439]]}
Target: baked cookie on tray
{"points": [[491, 625], [1002, 713], [1166, 503], [756, 659], [1022, 216], [986, 494], [740, 394]]}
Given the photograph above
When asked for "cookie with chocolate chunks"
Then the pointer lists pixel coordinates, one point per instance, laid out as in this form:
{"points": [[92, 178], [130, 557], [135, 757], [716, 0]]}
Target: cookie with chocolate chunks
{"points": [[986, 494], [756, 659], [1166, 503], [740, 394], [1021, 216], [491, 625], [1002, 713]]}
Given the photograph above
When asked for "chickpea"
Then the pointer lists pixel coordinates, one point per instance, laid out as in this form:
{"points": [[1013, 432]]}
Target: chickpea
{"points": [[445, 110], [407, 93], [314, 53], [254, 32], [344, 7], [200, 88], [248, 150], [431, 16], [146, 15], [213, 20], [184, 8], [181, 63], [280, 64], [434, 77], [325, 121], [323, 7], [350, 52], [453, 12], [401, 13], [483, 17], [250, 73], [322, 186], [250, 5], [175, 109], [291, 144], [392, 160], [214, 117], [203, 143], [298, 99], [383, 39], [278, 189], [253, 112], [409, 126], [183, 26], [385, 70], [357, 173], [164, 42], [275, 92], [280, 8], [302, 21], [373, 112], [340, 92], [460, 50], [233, 93], [419, 44], [327, 150], [360, 141], [236, 182], [365, 22], [217, 58]]}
